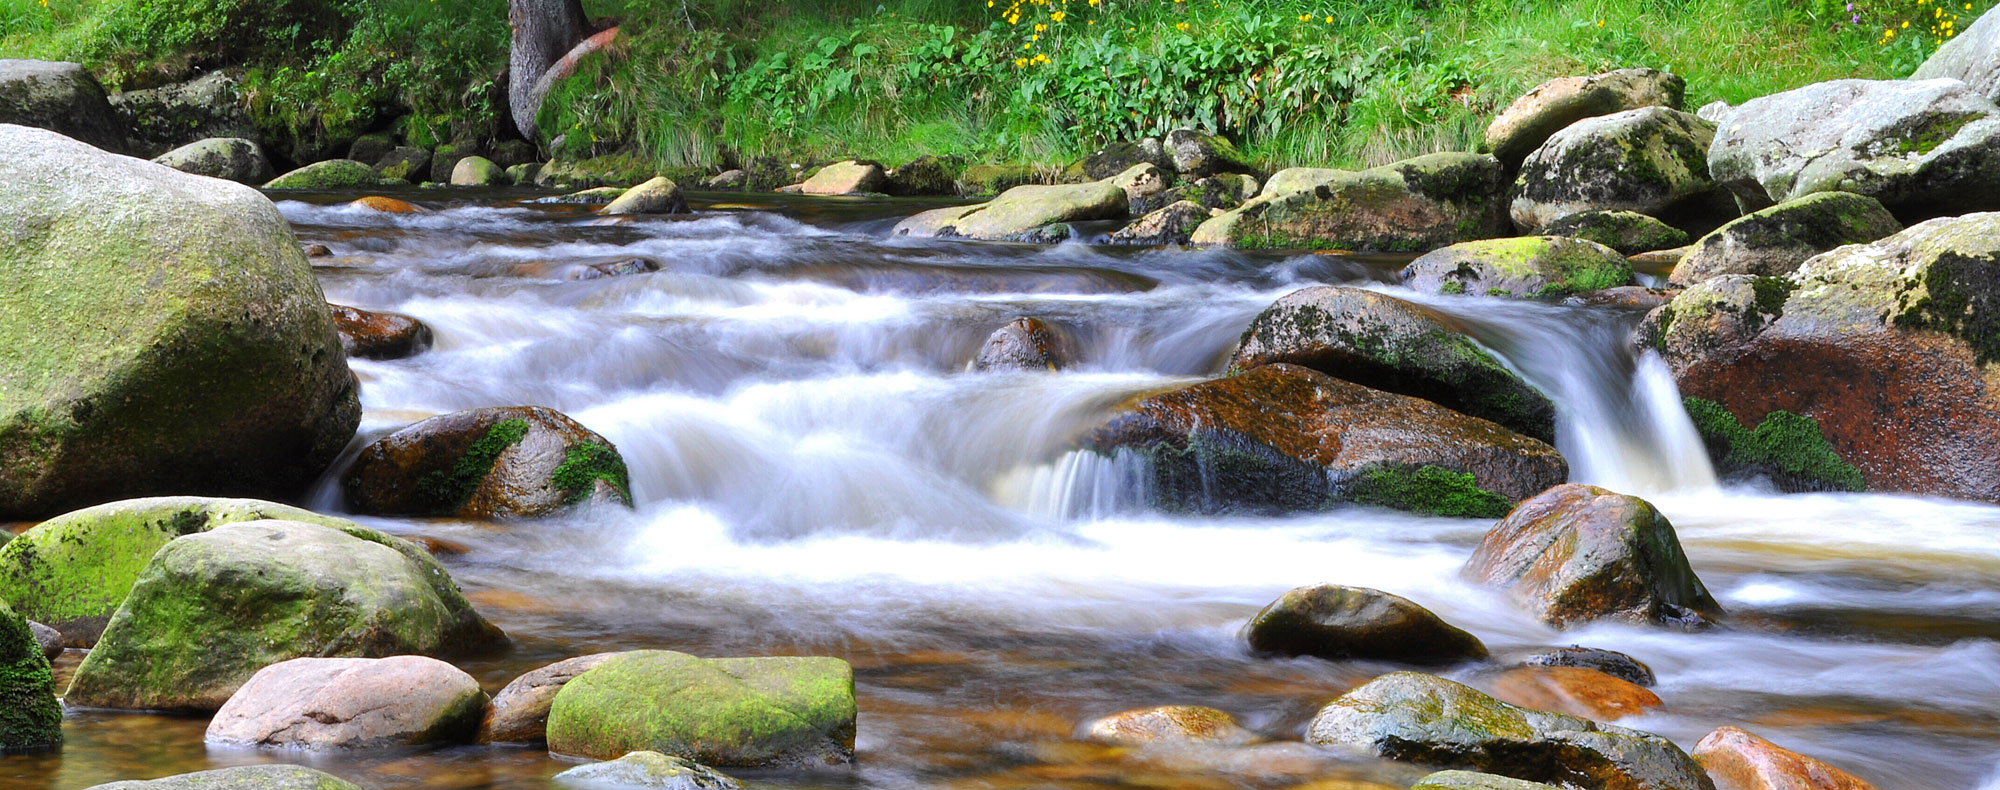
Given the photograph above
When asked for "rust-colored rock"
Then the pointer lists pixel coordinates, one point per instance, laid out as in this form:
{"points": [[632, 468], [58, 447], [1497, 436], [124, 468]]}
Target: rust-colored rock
{"points": [[486, 463], [520, 712], [1170, 724], [1027, 344], [1739, 760], [387, 205], [372, 335], [1573, 690]]}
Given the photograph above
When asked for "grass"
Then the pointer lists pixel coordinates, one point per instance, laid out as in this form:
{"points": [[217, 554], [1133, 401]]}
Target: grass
{"points": [[706, 83]]}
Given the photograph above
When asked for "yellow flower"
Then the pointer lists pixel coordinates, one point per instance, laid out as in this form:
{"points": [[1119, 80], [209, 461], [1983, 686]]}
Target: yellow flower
{"points": [[1329, 20], [1057, 16], [1182, 26]]}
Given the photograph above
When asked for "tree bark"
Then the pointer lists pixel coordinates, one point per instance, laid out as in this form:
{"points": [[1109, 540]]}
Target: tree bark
{"points": [[544, 31]]}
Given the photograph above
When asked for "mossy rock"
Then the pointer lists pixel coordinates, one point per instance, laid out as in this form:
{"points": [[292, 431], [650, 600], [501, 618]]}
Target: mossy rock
{"points": [[1531, 267], [925, 175], [1554, 105], [73, 570], [990, 180], [212, 608], [331, 174], [744, 712], [1034, 213], [1788, 449], [1628, 232], [1469, 780], [477, 171], [245, 777], [408, 163], [231, 158], [617, 170], [30, 716], [1652, 161], [1775, 241], [1415, 205], [445, 158], [487, 463], [59, 96]]}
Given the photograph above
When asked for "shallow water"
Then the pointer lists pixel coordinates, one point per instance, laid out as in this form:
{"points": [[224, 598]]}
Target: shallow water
{"points": [[819, 473]]}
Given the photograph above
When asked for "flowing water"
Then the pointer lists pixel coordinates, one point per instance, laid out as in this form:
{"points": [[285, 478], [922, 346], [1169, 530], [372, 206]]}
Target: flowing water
{"points": [[818, 472]]}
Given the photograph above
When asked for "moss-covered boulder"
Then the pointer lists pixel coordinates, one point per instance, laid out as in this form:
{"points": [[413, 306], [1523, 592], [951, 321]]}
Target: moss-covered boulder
{"points": [[445, 159], [1971, 57], [30, 716], [1024, 213], [1121, 156], [647, 771], [1879, 357], [61, 97], [1472, 780], [209, 106], [1382, 342], [1552, 106], [1197, 154], [477, 171], [1175, 724], [1774, 241], [232, 158], [659, 195], [487, 463], [328, 175], [744, 712], [1336, 622], [408, 163], [1538, 267], [1924, 149], [1282, 438], [1577, 553], [73, 570], [1628, 232], [925, 175], [212, 608], [990, 180], [244, 777], [1740, 760], [1028, 344], [1653, 161], [1426, 719], [1414, 205], [179, 343]]}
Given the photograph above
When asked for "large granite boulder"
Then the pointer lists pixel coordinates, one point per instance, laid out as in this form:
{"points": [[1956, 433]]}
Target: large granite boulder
{"points": [[1336, 622], [1537, 267], [1774, 241], [742, 712], [61, 97], [487, 463], [1414, 205], [30, 716], [350, 703], [1282, 438], [1653, 161], [211, 609], [1197, 154], [1971, 57], [242, 777], [179, 343], [1552, 106], [229, 158]]}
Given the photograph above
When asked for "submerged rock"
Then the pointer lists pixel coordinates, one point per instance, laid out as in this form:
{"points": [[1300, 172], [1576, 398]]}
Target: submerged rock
{"points": [[386, 205], [328, 175], [648, 770], [1577, 553], [30, 716], [1775, 241], [371, 335], [1425, 719], [658, 196], [178, 343], [1537, 267], [1628, 232], [1027, 344], [61, 97], [745, 712], [1414, 205], [1610, 662], [1576, 691], [1177, 724], [1335, 622], [1469, 780], [350, 703], [1282, 438], [487, 463], [1382, 342], [520, 712], [72, 571], [213, 608], [846, 178], [229, 158], [1653, 161], [245, 777], [1739, 760], [1554, 105]]}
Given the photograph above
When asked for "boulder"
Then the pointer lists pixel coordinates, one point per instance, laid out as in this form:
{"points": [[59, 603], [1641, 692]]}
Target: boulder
{"points": [[1419, 718], [1924, 149], [657, 196], [1554, 105], [1739, 760], [1221, 192], [477, 171], [72, 571], [1415, 205], [1628, 232], [331, 174], [1119, 157], [924, 176], [350, 703], [372, 147], [1385, 343], [619, 266], [728, 179], [732, 712], [846, 178], [1871, 366], [990, 180], [61, 97], [50, 640], [1971, 57], [444, 159], [1774, 241], [524, 173], [487, 463], [386, 205], [1197, 154], [595, 196], [1576, 691], [408, 163], [178, 343], [1610, 662], [1282, 438], [371, 335], [230, 158], [244, 777], [30, 716], [1141, 183], [1338, 623], [1177, 724], [1174, 224], [1539, 267], [1653, 161], [209, 106], [1027, 344], [1577, 553], [213, 608], [650, 770], [1024, 213], [1470, 780], [520, 712]]}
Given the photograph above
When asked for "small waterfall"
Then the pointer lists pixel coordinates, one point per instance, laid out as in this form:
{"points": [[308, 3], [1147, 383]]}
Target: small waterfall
{"points": [[1078, 486]]}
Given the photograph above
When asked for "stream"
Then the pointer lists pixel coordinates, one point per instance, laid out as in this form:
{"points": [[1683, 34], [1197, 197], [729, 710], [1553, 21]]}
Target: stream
{"points": [[817, 471]]}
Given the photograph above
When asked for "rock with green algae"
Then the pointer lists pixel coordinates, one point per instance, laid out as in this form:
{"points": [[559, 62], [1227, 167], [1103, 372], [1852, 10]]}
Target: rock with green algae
{"points": [[1337, 622], [212, 608], [1773, 242], [477, 171], [179, 343], [1554, 105], [618, 170], [1523, 268], [328, 175], [986, 180], [1413, 717], [648, 770], [1470, 780], [1379, 341], [30, 716], [231, 158], [1415, 205], [59, 96], [740, 712], [1578, 553], [73, 570], [1628, 232], [245, 777], [1652, 161], [1025, 213], [1283, 438], [487, 463]]}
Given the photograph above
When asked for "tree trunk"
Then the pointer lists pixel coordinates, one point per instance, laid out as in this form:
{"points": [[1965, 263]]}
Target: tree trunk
{"points": [[544, 30]]}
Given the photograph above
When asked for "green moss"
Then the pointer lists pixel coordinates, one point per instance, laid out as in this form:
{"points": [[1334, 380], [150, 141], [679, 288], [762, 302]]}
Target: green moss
{"points": [[584, 465], [1935, 131], [30, 717], [1430, 490], [728, 712], [1786, 446], [1452, 287], [1771, 293], [332, 174], [1956, 300], [447, 492]]}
